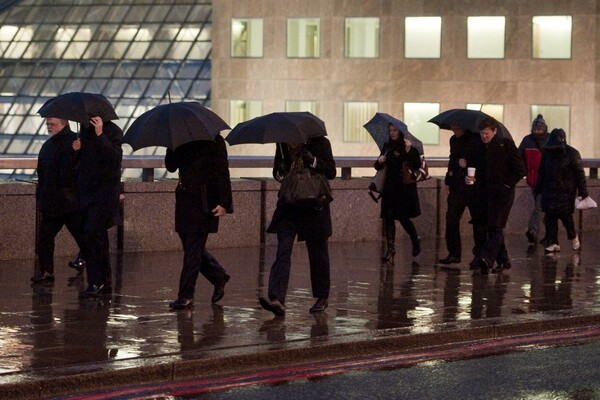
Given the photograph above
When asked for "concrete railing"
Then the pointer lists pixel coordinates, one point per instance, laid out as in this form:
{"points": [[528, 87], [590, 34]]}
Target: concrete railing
{"points": [[148, 208]]}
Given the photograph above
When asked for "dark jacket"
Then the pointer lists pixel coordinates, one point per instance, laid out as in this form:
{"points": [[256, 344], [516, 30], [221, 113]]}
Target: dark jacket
{"points": [[561, 176], [309, 222], [99, 174], [530, 150], [402, 199], [498, 169], [455, 176], [57, 172], [204, 183]]}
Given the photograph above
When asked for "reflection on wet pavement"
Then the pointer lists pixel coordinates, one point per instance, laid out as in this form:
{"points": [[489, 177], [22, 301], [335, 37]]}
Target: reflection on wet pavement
{"points": [[47, 330]]}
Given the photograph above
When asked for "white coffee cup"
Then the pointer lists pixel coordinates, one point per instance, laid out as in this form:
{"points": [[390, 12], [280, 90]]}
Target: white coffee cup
{"points": [[470, 176]]}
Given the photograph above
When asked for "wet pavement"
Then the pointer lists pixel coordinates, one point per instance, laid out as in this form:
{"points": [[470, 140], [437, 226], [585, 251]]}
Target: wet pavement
{"points": [[53, 342]]}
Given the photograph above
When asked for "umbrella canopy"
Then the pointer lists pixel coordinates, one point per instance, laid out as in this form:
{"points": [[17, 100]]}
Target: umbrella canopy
{"points": [[378, 128], [278, 127], [171, 125], [467, 119], [78, 107]]}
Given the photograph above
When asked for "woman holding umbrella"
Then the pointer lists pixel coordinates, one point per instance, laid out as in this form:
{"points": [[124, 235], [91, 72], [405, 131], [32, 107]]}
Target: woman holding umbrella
{"points": [[399, 201]]}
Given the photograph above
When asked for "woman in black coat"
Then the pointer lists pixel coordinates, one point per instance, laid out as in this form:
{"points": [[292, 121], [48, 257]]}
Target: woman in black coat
{"points": [[202, 196], [399, 201], [560, 178], [311, 224]]}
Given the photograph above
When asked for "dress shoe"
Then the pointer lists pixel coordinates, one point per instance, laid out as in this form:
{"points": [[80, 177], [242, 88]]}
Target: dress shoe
{"points": [[483, 265], [219, 291], [388, 255], [272, 305], [78, 264], [43, 277], [94, 291], [181, 304], [319, 306], [450, 260]]}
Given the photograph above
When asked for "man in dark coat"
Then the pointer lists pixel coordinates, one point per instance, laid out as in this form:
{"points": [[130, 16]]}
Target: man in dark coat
{"points": [[560, 179], [457, 196], [498, 169], [202, 196], [311, 224], [99, 176], [56, 194], [530, 150]]}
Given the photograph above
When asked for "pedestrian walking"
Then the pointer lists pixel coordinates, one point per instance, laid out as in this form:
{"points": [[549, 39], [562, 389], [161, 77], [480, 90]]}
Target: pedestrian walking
{"points": [[399, 200], [530, 150], [99, 174], [561, 179], [498, 168], [56, 194], [202, 196], [311, 224]]}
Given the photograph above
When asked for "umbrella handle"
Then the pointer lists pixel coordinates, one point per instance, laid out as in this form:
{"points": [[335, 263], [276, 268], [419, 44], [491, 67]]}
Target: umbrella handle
{"points": [[280, 145]]}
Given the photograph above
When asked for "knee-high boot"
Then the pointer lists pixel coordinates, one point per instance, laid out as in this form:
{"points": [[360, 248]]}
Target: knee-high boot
{"points": [[409, 227], [390, 239]]}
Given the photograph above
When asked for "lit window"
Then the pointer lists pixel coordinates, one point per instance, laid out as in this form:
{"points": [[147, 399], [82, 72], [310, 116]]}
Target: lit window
{"points": [[299, 105], [7, 32], [362, 37], [552, 36], [494, 110], [71, 43], [422, 37], [416, 116], [485, 37], [356, 114], [303, 37], [243, 110], [20, 46], [555, 116], [247, 37]]}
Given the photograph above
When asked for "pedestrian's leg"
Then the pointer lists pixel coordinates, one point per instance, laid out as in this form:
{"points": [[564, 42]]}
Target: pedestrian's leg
{"points": [[318, 257], [106, 267], [49, 228], [551, 223], [390, 237], [456, 208], [409, 227], [193, 245], [492, 248], [535, 219], [211, 269], [279, 276], [569, 224]]}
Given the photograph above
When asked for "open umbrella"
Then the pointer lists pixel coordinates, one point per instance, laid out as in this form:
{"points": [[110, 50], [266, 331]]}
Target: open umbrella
{"points": [[78, 107], [171, 125], [378, 128], [467, 119], [278, 127]]}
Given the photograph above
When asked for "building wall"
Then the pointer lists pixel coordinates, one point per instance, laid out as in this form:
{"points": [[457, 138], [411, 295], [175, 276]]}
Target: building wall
{"points": [[517, 81]]}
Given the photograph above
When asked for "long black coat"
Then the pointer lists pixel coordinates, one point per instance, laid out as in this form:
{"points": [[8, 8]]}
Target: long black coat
{"points": [[499, 167], [309, 222], [57, 192], [99, 172], [402, 199], [204, 183], [560, 177]]}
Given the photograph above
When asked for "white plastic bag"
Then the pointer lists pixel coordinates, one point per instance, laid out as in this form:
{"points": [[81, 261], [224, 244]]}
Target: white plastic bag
{"points": [[585, 204]]}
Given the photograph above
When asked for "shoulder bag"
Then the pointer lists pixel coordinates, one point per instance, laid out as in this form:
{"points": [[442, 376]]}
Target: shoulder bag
{"points": [[303, 188], [410, 176]]}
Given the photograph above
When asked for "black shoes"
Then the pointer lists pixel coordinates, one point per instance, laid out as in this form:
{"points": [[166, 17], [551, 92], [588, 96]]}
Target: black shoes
{"points": [[43, 277], [96, 290], [78, 264], [319, 306], [272, 305], [219, 291], [450, 260], [181, 304]]}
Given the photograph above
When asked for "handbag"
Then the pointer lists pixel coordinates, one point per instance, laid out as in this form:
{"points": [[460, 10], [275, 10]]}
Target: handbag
{"points": [[303, 188], [376, 185], [585, 204], [410, 176]]}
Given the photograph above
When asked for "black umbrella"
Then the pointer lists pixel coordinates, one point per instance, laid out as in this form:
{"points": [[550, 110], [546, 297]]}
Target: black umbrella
{"points": [[171, 125], [467, 119], [278, 127], [378, 128], [78, 107]]}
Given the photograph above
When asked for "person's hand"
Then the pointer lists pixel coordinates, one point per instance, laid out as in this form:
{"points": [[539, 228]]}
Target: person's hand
{"points": [[219, 211], [308, 158], [77, 144], [407, 145], [462, 162], [97, 124], [381, 159]]}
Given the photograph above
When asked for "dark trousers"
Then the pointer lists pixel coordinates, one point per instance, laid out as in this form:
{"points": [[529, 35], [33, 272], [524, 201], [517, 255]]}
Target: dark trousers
{"points": [[318, 257], [196, 260], [390, 229], [456, 207], [49, 228], [494, 248], [551, 223], [96, 247]]}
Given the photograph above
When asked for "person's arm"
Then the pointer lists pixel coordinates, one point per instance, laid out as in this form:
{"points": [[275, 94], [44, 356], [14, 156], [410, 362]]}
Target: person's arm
{"points": [[171, 161], [109, 139], [515, 163], [318, 155], [223, 179], [579, 175]]}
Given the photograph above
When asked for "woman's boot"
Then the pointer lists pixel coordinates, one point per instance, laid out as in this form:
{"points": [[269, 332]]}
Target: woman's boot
{"points": [[390, 237], [389, 253], [416, 245]]}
